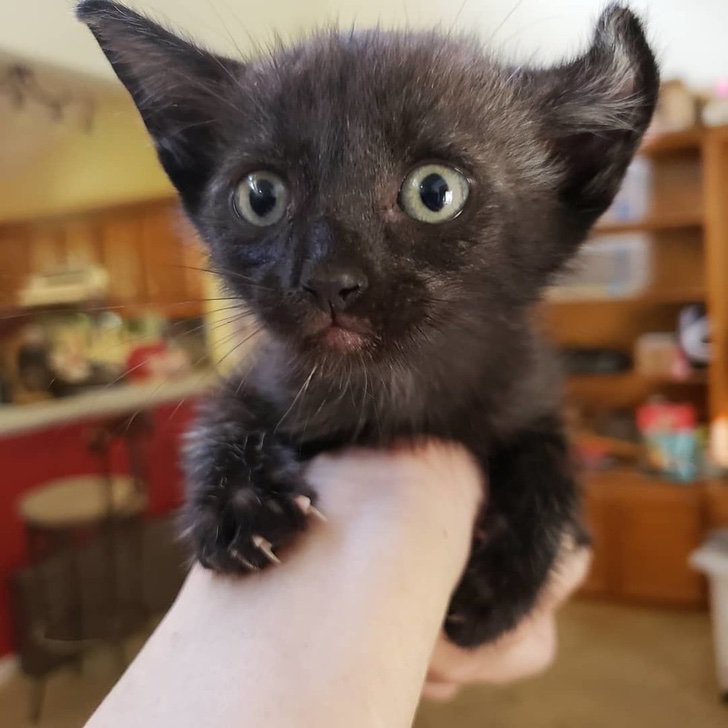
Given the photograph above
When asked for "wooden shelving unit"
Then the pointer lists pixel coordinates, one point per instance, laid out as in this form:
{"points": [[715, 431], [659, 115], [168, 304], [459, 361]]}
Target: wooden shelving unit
{"points": [[692, 139], [644, 528], [688, 230], [668, 221]]}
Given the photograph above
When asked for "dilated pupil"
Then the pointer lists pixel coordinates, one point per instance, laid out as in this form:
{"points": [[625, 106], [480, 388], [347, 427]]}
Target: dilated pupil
{"points": [[262, 196], [435, 192]]}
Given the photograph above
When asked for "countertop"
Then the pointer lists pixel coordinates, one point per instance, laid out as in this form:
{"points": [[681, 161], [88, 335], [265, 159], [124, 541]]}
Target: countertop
{"points": [[104, 402]]}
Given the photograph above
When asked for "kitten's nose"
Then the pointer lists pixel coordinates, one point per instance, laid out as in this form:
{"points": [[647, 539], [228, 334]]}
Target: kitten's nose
{"points": [[334, 288]]}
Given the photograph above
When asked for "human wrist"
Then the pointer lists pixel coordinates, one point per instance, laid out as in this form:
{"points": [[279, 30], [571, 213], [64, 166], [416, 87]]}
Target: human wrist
{"points": [[420, 495]]}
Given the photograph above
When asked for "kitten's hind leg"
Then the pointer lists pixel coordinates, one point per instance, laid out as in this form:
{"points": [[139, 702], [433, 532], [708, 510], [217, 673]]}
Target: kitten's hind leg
{"points": [[246, 494], [532, 505]]}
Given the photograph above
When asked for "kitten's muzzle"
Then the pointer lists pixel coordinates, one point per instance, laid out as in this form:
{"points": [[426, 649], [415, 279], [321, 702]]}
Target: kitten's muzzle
{"points": [[333, 288]]}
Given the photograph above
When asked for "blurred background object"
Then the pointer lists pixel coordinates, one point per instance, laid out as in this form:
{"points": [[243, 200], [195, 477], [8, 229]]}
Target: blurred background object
{"points": [[110, 312]]}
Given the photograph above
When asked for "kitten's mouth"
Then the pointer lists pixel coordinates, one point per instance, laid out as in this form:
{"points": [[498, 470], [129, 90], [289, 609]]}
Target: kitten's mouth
{"points": [[343, 333]]}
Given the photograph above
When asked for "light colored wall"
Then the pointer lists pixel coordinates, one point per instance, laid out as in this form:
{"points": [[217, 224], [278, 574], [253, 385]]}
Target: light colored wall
{"points": [[116, 163], [690, 33], [691, 37], [50, 167]]}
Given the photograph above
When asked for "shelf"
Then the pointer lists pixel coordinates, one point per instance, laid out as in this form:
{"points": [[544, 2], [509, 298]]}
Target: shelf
{"points": [[623, 449], [674, 221], [648, 297], [637, 483], [17, 315], [698, 378], [688, 140], [625, 390], [179, 309], [675, 296]]}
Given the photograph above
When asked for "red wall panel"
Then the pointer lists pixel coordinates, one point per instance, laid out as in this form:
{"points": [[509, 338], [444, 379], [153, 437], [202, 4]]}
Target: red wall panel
{"points": [[29, 460]]}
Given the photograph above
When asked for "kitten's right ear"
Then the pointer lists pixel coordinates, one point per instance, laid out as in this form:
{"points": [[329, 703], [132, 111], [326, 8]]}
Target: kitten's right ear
{"points": [[596, 108], [178, 87]]}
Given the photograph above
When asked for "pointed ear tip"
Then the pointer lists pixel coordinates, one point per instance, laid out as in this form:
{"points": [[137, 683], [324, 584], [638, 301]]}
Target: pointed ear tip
{"points": [[619, 17], [620, 25], [88, 9]]}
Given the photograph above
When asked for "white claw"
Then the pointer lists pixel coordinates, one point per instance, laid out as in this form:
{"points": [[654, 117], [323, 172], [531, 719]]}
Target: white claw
{"points": [[239, 557], [316, 513], [308, 508], [266, 547]]}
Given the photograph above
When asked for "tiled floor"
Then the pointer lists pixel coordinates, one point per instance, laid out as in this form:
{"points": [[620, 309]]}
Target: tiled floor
{"points": [[619, 667]]}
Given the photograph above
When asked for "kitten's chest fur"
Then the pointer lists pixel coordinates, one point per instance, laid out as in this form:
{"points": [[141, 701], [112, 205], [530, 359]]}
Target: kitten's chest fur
{"points": [[458, 396]]}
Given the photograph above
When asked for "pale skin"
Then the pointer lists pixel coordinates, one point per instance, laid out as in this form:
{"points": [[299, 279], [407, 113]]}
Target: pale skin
{"points": [[346, 632]]}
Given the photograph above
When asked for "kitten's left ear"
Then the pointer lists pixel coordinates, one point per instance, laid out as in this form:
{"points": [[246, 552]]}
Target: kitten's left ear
{"points": [[179, 88], [597, 108]]}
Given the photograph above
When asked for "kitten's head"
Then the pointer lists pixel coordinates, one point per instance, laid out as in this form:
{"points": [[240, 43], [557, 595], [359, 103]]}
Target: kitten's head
{"points": [[385, 192]]}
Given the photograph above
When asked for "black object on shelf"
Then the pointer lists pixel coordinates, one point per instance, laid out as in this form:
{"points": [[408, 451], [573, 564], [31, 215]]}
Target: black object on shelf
{"points": [[595, 361], [6, 391], [34, 369]]}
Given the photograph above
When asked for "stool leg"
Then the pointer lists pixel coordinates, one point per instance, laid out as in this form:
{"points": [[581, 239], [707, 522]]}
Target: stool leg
{"points": [[137, 560], [37, 692], [78, 632], [35, 556], [110, 537], [120, 654], [113, 536]]}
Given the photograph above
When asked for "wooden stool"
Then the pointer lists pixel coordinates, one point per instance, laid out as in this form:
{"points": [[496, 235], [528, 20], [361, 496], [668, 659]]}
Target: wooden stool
{"points": [[66, 520], [80, 501]]}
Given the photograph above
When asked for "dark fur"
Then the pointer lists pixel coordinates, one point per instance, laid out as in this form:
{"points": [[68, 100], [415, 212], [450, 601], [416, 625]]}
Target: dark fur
{"points": [[343, 117]]}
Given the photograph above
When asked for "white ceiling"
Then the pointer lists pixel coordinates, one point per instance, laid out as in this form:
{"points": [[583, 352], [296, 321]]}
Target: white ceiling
{"points": [[690, 36]]}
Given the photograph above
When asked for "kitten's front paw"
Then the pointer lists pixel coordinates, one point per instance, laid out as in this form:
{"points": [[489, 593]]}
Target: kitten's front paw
{"points": [[507, 569], [245, 532], [256, 504]]}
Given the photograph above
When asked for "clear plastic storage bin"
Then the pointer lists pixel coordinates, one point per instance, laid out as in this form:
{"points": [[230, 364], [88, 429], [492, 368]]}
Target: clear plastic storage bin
{"points": [[712, 559], [609, 266]]}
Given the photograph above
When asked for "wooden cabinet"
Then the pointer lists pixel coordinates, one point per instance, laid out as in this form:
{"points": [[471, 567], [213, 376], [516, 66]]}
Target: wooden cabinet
{"points": [[195, 263], [161, 250], [82, 243], [596, 515], [716, 499], [172, 259], [151, 253], [644, 531], [15, 265], [46, 248], [121, 255]]}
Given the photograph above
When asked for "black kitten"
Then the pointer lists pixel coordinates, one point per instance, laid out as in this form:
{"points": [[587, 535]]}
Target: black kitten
{"points": [[390, 205]]}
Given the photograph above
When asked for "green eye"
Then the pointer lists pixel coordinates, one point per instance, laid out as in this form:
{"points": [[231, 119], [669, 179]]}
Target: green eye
{"points": [[434, 193], [261, 198]]}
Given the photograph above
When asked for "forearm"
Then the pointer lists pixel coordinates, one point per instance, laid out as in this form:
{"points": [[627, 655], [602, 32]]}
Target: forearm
{"points": [[339, 635]]}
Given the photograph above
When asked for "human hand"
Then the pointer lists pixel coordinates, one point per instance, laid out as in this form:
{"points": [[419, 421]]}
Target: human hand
{"points": [[527, 650]]}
